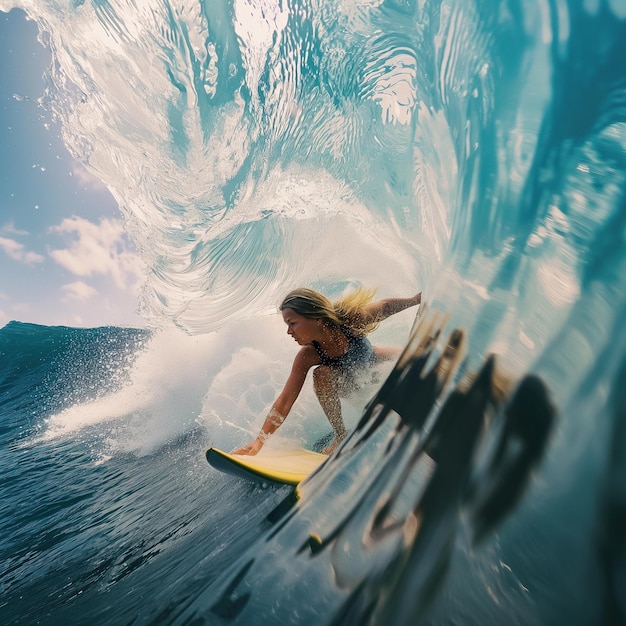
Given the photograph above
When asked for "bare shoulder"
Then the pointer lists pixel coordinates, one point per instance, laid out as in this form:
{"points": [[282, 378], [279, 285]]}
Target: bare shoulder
{"points": [[373, 312], [306, 358]]}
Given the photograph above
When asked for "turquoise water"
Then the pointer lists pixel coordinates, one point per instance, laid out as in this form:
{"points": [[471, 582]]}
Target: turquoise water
{"points": [[474, 150]]}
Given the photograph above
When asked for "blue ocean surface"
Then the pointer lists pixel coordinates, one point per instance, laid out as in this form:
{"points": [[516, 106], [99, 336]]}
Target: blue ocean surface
{"points": [[474, 150]]}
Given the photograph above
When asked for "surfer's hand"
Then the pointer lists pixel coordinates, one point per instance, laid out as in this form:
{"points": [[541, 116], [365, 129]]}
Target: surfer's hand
{"points": [[251, 448]]}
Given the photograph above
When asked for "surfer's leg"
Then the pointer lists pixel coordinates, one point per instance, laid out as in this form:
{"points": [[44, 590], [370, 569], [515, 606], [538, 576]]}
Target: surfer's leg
{"points": [[386, 354], [326, 385]]}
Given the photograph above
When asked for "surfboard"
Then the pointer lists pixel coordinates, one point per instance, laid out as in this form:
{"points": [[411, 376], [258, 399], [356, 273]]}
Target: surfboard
{"points": [[285, 467]]}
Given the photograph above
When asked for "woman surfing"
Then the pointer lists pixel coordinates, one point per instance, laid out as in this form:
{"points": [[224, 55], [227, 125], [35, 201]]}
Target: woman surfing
{"points": [[333, 336]]}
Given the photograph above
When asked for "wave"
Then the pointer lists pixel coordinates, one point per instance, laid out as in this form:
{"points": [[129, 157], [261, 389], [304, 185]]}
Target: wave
{"points": [[472, 149]]}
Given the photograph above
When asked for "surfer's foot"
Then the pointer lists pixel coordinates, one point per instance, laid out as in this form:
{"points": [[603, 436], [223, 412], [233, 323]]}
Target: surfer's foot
{"points": [[333, 445], [329, 449]]}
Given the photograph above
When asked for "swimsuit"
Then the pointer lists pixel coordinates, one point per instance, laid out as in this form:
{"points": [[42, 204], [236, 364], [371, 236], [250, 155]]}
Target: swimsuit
{"points": [[359, 354]]}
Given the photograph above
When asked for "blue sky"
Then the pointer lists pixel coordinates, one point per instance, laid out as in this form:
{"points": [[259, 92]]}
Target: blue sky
{"points": [[64, 256]]}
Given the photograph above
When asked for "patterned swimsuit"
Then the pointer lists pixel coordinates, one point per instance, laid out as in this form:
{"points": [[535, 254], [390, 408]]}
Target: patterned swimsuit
{"points": [[358, 356]]}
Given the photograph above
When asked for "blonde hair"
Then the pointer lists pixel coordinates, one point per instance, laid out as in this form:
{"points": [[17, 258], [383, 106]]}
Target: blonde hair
{"points": [[344, 312]]}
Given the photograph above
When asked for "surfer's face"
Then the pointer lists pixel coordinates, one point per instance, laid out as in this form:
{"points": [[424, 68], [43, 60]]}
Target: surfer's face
{"points": [[303, 329]]}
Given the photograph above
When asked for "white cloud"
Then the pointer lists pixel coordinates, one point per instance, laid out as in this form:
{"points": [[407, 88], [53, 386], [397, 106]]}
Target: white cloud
{"points": [[14, 311], [79, 290], [9, 229], [97, 249], [16, 251], [21, 308]]}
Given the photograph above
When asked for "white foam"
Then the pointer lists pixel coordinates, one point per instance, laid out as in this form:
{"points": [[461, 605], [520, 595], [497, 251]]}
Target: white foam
{"points": [[163, 396], [223, 382]]}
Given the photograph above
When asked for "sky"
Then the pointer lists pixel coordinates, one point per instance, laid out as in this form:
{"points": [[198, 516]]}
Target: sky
{"points": [[64, 256]]}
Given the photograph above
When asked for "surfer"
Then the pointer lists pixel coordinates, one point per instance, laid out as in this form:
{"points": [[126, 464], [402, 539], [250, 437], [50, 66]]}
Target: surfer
{"points": [[333, 336]]}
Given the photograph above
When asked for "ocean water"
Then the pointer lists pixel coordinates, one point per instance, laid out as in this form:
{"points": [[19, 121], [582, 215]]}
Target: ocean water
{"points": [[474, 150]]}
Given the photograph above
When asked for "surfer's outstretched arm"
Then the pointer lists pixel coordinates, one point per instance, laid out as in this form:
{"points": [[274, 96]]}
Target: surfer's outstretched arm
{"points": [[306, 358], [310, 329], [382, 309]]}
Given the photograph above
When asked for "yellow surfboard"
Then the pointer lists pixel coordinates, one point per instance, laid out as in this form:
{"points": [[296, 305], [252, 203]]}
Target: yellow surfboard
{"points": [[287, 467]]}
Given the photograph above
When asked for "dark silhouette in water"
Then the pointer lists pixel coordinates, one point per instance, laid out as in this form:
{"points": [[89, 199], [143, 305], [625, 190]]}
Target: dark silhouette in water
{"points": [[422, 466], [612, 524]]}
